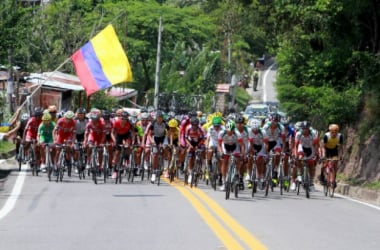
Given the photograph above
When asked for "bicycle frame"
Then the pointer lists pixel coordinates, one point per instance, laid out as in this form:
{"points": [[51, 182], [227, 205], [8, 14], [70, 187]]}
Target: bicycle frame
{"points": [[231, 183], [330, 177]]}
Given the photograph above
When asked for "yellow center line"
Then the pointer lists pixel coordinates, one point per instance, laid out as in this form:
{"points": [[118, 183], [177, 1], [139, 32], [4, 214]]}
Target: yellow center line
{"points": [[227, 219], [227, 239], [240, 231]]}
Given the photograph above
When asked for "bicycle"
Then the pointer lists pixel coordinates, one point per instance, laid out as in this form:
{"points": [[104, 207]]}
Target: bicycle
{"points": [[121, 163], [132, 164], [281, 177], [32, 159], [63, 162], [81, 161], [160, 152], [329, 174], [143, 170], [197, 170], [21, 157], [303, 178], [173, 169], [232, 179], [268, 174], [105, 164], [214, 171], [253, 178], [48, 159]]}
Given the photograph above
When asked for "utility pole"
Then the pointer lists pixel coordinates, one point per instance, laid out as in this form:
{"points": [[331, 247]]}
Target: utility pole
{"points": [[157, 78], [10, 81]]}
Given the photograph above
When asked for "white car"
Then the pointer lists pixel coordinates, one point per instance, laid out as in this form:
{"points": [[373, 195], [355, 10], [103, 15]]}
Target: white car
{"points": [[257, 111]]}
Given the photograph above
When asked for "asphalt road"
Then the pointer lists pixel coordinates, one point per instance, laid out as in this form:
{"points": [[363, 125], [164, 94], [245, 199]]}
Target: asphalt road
{"points": [[76, 214]]}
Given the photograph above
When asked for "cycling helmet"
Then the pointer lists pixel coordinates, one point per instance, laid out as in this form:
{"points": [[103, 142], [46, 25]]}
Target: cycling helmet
{"points": [[69, 114], [106, 114], [239, 119], [144, 116], [173, 123], [52, 109], [24, 117], [81, 111], [305, 125], [194, 121], [230, 125], [192, 113], [254, 123], [216, 121], [333, 128], [46, 117], [124, 114], [38, 111], [159, 113]]}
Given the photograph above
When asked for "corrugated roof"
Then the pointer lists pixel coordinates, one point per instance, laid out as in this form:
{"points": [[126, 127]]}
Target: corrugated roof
{"points": [[56, 79]]}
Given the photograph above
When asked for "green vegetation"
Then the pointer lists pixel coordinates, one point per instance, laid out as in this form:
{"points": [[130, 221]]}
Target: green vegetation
{"points": [[6, 146], [327, 51], [242, 98]]}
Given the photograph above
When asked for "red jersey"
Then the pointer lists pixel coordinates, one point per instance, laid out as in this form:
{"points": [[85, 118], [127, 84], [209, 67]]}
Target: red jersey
{"points": [[65, 130], [32, 128], [95, 131], [120, 128], [195, 135]]}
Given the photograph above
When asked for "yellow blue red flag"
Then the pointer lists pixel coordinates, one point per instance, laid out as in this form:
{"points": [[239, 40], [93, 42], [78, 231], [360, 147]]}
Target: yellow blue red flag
{"points": [[102, 62]]}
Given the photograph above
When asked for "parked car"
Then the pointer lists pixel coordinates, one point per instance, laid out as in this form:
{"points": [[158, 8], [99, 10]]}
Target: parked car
{"points": [[257, 111]]}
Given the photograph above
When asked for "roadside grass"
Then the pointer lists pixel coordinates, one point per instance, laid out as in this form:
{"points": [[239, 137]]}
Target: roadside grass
{"points": [[6, 146], [242, 98], [374, 185]]}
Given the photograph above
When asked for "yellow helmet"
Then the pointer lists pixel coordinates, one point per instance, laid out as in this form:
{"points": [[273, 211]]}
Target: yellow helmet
{"points": [[173, 123], [46, 117], [217, 113], [334, 128]]}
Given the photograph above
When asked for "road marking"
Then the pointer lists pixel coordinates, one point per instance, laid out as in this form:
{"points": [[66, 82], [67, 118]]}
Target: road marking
{"points": [[239, 230], [227, 239], [227, 219], [16, 191], [265, 82]]}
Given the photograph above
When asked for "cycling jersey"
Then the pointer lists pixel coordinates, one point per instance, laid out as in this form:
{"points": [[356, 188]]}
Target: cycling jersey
{"points": [[80, 127], [158, 129], [230, 142], [306, 143], [32, 128], [45, 132], [120, 127], [65, 130], [332, 144], [212, 133], [95, 131]]}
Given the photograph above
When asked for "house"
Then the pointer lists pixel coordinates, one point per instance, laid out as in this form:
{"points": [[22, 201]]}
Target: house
{"points": [[56, 88]]}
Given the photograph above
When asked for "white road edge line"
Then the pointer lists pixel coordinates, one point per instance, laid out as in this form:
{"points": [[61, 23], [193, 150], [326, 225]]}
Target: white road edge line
{"points": [[358, 201], [265, 82], [16, 191]]}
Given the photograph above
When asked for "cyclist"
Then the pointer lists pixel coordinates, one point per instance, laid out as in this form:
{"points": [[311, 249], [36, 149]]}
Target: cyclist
{"points": [[80, 127], [121, 134], [20, 130], [31, 130], [195, 138], [275, 140], [173, 140], [108, 125], [212, 140], [332, 147], [45, 135], [256, 139], [230, 143], [289, 142], [156, 135], [185, 122], [94, 136], [143, 123], [242, 132], [306, 145], [64, 132]]}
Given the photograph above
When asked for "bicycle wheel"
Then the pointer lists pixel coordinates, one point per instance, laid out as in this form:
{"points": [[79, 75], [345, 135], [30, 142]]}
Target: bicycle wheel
{"points": [[59, 165], [236, 186], [94, 167], [307, 183], [20, 156], [228, 189], [48, 162], [331, 183], [105, 167]]}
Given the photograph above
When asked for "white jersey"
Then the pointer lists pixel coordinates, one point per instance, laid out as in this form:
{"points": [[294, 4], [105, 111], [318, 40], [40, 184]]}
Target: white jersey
{"points": [[306, 141], [273, 134], [257, 139], [213, 134], [244, 135]]}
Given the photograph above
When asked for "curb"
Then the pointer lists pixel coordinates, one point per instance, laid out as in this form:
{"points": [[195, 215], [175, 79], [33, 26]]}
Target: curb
{"points": [[359, 193]]}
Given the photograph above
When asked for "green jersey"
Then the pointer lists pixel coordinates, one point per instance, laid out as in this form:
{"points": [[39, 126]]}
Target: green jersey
{"points": [[45, 132]]}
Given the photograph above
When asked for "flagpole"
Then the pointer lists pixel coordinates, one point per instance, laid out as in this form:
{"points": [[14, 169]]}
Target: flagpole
{"points": [[157, 78]]}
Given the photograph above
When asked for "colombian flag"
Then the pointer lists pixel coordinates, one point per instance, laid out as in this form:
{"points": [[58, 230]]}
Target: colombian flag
{"points": [[101, 62]]}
